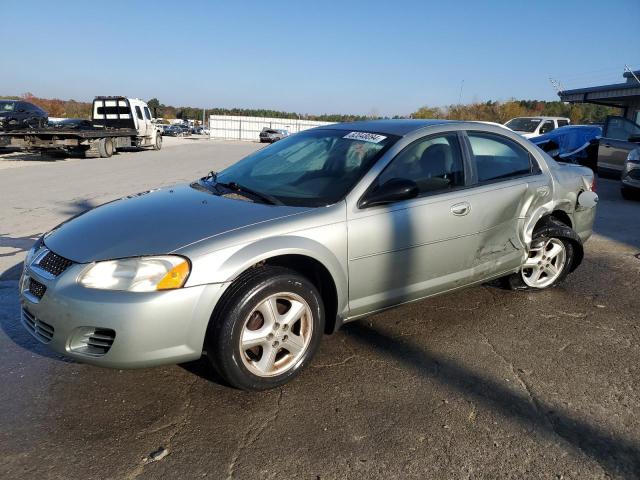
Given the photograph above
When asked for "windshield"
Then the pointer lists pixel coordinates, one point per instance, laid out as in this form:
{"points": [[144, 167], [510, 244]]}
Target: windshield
{"points": [[523, 124], [312, 168], [7, 106]]}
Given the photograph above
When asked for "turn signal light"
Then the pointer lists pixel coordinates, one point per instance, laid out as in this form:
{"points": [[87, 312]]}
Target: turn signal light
{"points": [[175, 278]]}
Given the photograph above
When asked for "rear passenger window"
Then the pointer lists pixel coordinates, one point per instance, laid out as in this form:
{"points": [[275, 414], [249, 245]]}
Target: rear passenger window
{"points": [[139, 113], [434, 163], [147, 113], [562, 123], [498, 158]]}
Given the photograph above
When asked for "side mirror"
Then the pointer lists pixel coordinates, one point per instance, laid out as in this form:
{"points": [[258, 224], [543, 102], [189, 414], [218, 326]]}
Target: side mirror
{"points": [[634, 138], [391, 191]]}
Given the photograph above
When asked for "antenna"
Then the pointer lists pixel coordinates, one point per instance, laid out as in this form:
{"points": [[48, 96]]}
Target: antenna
{"points": [[628, 69], [460, 96], [556, 85]]}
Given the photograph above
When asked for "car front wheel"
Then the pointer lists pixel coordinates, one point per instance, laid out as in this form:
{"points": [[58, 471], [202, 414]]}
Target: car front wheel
{"points": [[267, 328]]}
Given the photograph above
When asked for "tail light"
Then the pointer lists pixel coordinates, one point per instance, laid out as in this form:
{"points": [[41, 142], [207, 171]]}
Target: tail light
{"points": [[593, 183]]}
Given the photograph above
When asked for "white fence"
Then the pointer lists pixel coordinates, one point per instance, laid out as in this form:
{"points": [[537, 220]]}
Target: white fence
{"points": [[230, 127]]}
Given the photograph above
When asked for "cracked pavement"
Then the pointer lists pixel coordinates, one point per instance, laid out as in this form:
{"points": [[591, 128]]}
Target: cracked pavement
{"points": [[484, 383]]}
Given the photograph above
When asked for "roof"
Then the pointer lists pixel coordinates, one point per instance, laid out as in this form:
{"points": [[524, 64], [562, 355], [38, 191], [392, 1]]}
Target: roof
{"points": [[615, 94], [542, 117], [600, 88], [399, 127]]}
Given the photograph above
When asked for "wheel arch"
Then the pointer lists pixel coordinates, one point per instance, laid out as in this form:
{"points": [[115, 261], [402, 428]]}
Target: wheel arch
{"points": [[559, 224], [307, 257]]}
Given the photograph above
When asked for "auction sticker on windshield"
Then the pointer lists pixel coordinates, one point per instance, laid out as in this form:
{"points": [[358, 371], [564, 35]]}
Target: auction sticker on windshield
{"points": [[365, 137]]}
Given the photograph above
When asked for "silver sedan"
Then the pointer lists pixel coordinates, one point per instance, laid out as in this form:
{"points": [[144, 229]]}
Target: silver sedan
{"points": [[252, 265]]}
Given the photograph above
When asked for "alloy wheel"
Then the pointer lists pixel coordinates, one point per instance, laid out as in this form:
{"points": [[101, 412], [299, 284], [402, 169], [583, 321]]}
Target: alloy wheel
{"points": [[545, 263], [276, 334]]}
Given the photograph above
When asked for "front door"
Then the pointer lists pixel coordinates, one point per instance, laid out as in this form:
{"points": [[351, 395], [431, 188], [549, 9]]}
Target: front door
{"points": [[615, 145], [405, 250]]}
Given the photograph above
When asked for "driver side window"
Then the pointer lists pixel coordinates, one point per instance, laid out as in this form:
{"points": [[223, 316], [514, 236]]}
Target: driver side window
{"points": [[546, 127], [433, 163]]}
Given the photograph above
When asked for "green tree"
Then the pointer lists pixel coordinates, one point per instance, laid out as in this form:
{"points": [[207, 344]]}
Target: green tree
{"points": [[156, 107]]}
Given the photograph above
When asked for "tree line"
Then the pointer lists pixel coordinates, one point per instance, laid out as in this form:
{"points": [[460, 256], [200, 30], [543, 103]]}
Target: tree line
{"points": [[490, 111], [500, 112]]}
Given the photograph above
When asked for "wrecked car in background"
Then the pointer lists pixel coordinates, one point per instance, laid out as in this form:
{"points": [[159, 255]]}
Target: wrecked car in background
{"points": [[572, 144], [254, 264], [18, 114]]}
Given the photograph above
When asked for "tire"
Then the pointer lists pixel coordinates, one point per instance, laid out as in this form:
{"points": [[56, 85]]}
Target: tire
{"points": [[105, 147], [629, 193], [552, 257], [158, 143], [260, 360]]}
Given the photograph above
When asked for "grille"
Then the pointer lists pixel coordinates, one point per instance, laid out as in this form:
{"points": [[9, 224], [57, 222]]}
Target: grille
{"points": [[93, 341], [39, 329], [54, 264], [36, 288]]}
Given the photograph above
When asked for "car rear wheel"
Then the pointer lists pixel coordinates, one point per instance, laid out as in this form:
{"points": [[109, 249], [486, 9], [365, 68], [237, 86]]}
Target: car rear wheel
{"points": [[267, 329], [550, 259], [547, 261], [105, 147]]}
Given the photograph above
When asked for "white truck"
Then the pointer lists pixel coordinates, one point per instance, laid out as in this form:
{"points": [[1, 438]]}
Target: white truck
{"points": [[530, 127], [116, 122]]}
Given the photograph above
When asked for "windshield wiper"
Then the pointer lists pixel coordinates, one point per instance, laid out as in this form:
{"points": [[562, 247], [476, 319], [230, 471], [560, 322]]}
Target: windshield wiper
{"points": [[236, 187], [211, 177], [207, 183]]}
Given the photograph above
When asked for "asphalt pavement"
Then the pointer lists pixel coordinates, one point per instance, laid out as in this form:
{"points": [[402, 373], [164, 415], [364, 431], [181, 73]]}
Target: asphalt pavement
{"points": [[484, 383]]}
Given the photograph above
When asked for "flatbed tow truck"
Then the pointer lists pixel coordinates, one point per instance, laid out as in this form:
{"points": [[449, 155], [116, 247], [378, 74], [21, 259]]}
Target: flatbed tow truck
{"points": [[117, 122]]}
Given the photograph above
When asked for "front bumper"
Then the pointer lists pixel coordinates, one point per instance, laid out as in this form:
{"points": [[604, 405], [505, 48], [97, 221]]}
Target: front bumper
{"points": [[146, 329], [631, 175]]}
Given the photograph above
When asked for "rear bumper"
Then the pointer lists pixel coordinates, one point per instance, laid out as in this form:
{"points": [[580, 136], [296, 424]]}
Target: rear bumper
{"points": [[148, 329], [583, 219]]}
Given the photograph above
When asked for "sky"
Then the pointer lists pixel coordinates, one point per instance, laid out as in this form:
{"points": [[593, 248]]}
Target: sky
{"points": [[360, 57]]}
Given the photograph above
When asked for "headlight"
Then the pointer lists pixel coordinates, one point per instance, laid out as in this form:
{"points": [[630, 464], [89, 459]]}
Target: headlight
{"points": [[143, 274], [634, 156]]}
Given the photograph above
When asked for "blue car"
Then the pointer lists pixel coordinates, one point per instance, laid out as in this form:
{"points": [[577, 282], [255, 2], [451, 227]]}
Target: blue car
{"points": [[572, 144]]}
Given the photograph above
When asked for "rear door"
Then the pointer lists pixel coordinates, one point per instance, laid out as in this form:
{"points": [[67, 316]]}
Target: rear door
{"points": [[615, 145], [508, 185]]}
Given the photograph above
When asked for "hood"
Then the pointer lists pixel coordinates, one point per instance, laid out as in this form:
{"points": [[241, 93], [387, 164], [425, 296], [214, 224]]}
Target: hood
{"points": [[156, 222]]}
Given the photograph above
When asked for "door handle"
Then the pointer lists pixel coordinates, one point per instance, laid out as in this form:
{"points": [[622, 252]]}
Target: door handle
{"points": [[606, 145], [460, 209]]}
